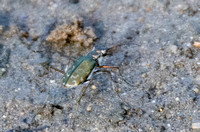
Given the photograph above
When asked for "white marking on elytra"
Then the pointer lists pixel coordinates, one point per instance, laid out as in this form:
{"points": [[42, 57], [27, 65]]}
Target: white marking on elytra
{"points": [[73, 76], [75, 82], [71, 85]]}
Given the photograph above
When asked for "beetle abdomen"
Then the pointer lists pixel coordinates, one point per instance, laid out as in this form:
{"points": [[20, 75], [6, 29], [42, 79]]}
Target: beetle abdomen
{"points": [[79, 72]]}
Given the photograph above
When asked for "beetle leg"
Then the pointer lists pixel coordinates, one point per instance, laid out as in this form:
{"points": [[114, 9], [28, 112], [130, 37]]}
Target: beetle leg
{"points": [[57, 70], [116, 67], [113, 86], [82, 94], [112, 67]]}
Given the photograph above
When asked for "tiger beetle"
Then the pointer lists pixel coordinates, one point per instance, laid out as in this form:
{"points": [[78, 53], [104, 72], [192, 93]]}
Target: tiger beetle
{"points": [[83, 68]]}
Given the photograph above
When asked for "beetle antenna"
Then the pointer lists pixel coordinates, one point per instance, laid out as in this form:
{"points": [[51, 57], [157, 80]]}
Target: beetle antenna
{"points": [[116, 67]]}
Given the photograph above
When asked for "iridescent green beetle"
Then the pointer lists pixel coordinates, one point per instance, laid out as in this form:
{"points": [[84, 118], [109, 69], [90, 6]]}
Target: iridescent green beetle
{"points": [[81, 69]]}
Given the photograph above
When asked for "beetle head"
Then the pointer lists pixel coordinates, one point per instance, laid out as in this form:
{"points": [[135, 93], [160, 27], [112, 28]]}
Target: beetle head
{"points": [[97, 53]]}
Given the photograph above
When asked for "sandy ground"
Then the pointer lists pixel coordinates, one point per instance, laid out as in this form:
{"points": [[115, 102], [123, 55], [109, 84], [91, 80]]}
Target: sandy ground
{"points": [[157, 57]]}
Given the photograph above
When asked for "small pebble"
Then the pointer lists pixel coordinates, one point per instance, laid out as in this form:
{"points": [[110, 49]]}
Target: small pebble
{"points": [[197, 80], [188, 45], [38, 117], [173, 48], [100, 100], [148, 64], [160, 110], [196, 90], [141, 19], [22, 113], [57, 112], [94, 87], [168, 125], [177, 99], [148, 9], [70, 115], [89, 108], [196, 125], [144, 75], [179, 118], [2, 71], [52, 81], [196, 44], [182, 8]]}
